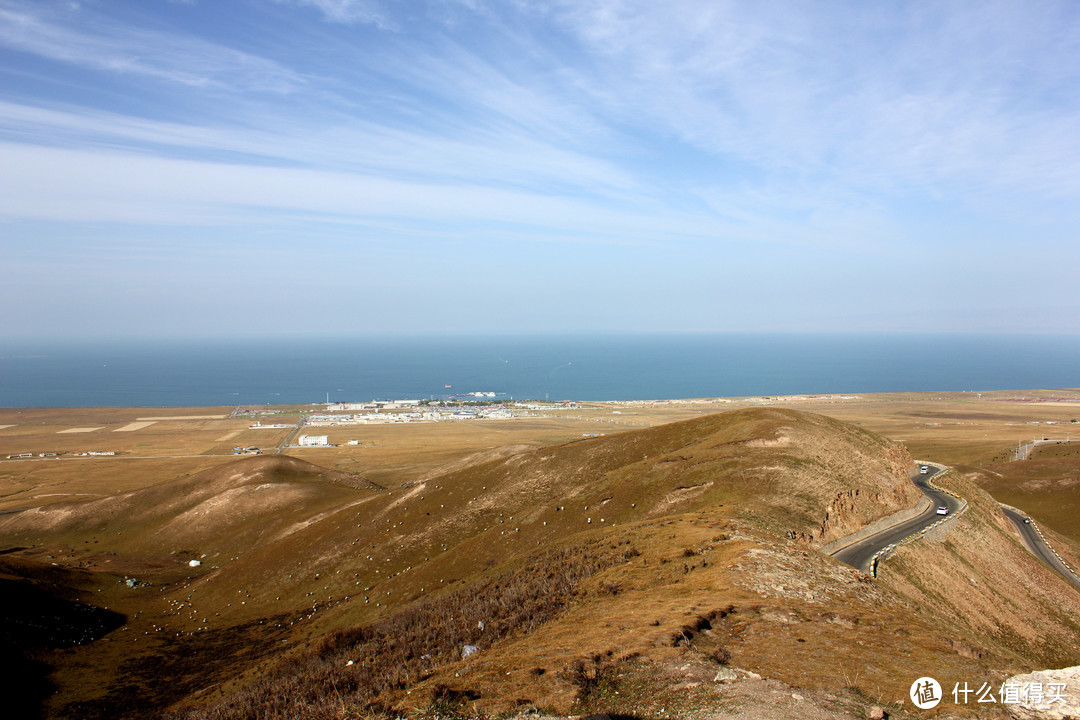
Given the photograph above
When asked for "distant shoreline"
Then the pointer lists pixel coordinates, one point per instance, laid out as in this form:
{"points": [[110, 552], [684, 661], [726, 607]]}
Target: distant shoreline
{"points": [[1069, 397], [540, 368]]}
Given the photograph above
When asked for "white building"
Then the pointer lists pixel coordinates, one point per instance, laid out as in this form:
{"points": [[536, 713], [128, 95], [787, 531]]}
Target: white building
{"points": [[314, 440]]}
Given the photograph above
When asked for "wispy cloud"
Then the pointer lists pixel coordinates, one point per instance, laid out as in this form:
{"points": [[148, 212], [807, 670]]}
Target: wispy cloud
{"points": [[931, 103], [347, 11], [83, 186], [79, 36], [480, 156], [935, 96], [787, 150]]}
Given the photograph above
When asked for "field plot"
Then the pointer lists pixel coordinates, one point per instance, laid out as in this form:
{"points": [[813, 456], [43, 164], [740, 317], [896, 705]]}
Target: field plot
{"points": [[396, 453], [132, 427], [961, 428], [30, 484], [70, 460], [1047, 486], [107, 415]]}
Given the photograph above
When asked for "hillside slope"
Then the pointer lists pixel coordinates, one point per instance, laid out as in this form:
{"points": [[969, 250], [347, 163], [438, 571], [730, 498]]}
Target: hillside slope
{"points": [[236, 507], [616, 573]]}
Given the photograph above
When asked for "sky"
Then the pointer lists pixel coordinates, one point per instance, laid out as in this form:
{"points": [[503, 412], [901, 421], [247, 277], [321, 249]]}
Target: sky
{"points": [[174, 168]]}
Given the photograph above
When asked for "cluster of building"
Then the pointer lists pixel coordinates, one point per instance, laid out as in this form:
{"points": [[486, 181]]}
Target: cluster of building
{"points": [[375, 405], [383, 412], [427, 414], [28, 455]]}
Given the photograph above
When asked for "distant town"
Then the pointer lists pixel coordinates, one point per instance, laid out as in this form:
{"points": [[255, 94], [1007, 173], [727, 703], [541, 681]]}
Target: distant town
{"points": [[383, 412], [468, 406], [391, 411]]}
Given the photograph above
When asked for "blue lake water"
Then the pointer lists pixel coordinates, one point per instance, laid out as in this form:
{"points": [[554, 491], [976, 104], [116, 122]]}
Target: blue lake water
{"points": [[604, 367]]}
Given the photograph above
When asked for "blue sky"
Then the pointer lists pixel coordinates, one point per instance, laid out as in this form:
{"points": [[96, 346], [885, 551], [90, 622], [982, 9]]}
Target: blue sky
{"points": [[365, 166]]}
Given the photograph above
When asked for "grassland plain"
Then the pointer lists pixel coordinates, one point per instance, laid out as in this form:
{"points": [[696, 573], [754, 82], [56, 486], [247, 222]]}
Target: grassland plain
{"points": [[669, 555]]}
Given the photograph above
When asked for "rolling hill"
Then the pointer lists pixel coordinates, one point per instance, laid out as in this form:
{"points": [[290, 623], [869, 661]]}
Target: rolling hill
{"points": [[648, 572]]}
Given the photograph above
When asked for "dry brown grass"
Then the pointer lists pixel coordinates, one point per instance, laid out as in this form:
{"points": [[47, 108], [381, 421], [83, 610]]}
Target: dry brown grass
{"points": [[354, 668], [978, 578], [44, 482], [1047, 487], [709, 506]]}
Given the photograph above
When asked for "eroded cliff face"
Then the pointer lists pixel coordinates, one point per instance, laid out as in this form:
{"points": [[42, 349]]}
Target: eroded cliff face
{"points": [[855, 509], [884, 488]]}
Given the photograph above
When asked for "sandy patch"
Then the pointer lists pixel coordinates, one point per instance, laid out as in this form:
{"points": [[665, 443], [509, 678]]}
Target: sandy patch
{"points": [[228, 436], [413, 491], [5, 427], [35, 497], [131, 427], [780, 440], [229, 509], [298, 526], [79, 430], [183, 417], [679, 495]]}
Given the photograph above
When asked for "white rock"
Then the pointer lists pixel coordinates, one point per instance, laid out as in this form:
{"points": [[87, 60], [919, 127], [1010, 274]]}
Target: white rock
{"points": [[1048, 685], [725, 675]]}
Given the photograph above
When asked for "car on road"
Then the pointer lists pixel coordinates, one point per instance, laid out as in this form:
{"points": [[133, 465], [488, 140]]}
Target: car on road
{"points": [[923, 470], [1027, 521], [943, 510]]}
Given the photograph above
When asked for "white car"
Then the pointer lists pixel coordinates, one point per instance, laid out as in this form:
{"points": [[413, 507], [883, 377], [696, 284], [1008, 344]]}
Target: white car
{"points": [[942, 510], [923, 470]]}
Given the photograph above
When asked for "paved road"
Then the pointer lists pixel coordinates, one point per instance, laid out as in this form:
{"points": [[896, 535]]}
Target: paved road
{"points": [[1037, 546], [859, 554], [288, 438]]}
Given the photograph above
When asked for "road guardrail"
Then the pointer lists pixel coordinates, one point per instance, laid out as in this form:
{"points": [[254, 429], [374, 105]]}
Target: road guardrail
{"points": [[1064, 562], [889, 549]]}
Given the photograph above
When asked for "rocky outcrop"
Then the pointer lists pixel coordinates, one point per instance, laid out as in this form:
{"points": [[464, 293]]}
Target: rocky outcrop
{"points": [[1043, 695], [852, 510]]}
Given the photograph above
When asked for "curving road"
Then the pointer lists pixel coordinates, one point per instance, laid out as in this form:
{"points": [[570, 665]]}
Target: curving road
{"points": [[1037, 545], [859, 554]]}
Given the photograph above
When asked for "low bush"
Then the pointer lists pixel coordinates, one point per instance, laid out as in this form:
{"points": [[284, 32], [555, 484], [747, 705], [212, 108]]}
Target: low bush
{"points": [[406, 647]]}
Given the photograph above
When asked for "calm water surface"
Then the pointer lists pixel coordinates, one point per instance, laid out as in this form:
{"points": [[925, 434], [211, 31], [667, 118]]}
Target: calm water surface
{"points": [[609, 367]]}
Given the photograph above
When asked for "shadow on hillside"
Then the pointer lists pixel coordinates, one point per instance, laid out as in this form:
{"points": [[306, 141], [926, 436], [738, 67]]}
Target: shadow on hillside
{"points": [[33, 622], [24, 684]]}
